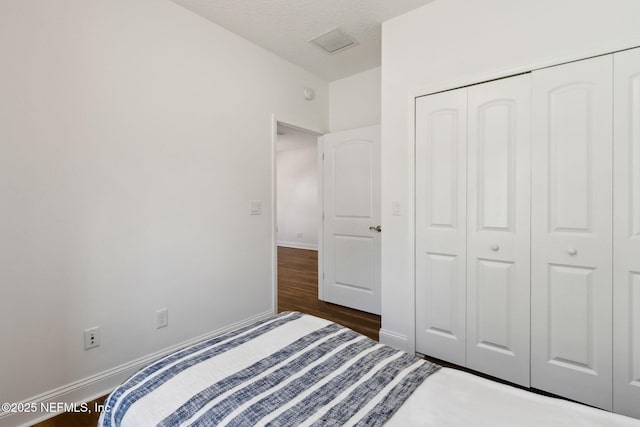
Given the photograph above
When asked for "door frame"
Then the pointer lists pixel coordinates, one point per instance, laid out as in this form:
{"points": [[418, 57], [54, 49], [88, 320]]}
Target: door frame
{"points": [[275, 121]]}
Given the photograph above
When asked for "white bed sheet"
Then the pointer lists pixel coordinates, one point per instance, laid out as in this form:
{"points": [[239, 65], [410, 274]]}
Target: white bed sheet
{"points": [[455, 398], [446, 398]]}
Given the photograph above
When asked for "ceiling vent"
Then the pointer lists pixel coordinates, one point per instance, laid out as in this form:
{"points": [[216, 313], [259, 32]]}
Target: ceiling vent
{"points": [[334, 41]]}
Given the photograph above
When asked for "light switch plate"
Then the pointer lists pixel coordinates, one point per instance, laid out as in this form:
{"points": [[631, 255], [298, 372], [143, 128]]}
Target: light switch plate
{"points": [[255, 207], [395, 207], [162, 318]]}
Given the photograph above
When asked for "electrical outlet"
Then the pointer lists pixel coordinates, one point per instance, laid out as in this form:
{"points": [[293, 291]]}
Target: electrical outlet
{"points": [[162, 318], [300, 235], [91, 337]]}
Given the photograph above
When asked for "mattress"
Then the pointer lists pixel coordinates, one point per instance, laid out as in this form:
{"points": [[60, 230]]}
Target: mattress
{"points": [[451, 398], [292, 369], [298, 369]]}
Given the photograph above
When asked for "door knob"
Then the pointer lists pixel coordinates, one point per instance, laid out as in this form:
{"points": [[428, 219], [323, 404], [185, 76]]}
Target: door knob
{"points": [[572, 251], [378, 228], [495, 247]]}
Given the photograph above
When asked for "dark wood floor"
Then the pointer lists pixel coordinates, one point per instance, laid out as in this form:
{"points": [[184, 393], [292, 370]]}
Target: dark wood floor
{"points": [[298, 291], [69, 419]]}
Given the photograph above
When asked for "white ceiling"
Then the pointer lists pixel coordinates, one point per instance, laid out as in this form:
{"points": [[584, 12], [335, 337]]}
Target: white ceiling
{"points": [[285, 27]]}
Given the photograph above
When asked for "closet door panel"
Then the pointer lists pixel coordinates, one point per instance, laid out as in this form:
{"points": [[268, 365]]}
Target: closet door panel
{"points": [[498, 244], [572, 231], [626, 260], [441, 225]]}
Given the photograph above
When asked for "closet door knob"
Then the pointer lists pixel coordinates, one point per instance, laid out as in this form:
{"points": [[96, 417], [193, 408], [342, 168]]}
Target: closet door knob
{"points": [[572, 251], [495, 247]]}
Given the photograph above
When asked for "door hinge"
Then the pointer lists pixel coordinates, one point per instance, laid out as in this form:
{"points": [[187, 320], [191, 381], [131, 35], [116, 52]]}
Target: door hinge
{"points": [[323, 216], [322, 156]]}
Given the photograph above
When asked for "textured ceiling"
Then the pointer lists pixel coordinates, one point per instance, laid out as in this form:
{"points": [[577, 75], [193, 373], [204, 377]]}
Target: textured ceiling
{"points": [[285, 27]]}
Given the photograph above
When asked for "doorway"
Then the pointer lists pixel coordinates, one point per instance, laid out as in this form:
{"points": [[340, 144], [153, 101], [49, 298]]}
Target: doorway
{"points": [[298, 232], [297, 189], [298, 207]]}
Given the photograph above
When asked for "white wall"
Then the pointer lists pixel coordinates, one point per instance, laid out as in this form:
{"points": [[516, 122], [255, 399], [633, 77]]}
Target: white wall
{"points": [[466, 41], [298, 198], [355, 101], [132, 136]]}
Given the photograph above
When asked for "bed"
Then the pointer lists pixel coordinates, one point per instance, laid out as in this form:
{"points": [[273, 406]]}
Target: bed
{"points": [[296, 369]]}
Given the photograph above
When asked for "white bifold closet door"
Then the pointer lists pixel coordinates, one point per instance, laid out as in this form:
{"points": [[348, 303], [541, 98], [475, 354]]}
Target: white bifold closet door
{"points": [[626, 259], [441, 158], [571, 266], [498, 232]]}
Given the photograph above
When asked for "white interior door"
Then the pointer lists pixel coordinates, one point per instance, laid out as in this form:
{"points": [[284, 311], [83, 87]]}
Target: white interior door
{"points": [[626, 259], [571, 337], [441, 225], [351, 204], [498, 247]]}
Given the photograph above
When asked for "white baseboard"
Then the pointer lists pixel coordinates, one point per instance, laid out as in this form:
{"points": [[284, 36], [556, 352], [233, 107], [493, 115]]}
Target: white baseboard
{"points": [[296, 245], [98, 385], [394, 339]]}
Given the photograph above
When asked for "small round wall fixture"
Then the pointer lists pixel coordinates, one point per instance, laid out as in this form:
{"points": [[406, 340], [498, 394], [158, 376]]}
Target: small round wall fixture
{"points": [[308, 93]]}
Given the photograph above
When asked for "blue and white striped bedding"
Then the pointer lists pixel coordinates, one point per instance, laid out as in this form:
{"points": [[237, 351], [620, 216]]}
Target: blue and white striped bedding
{"points": [[293, 369]]}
